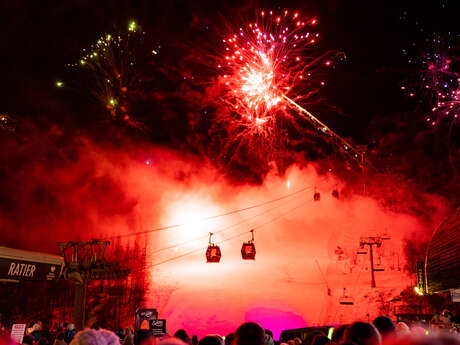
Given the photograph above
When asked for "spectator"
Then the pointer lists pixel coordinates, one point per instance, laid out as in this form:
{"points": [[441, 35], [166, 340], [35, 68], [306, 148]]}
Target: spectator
{"points": [[119, 333], [229, 338], [95, 337], [320, 339], [362, 333], [194, 339], [28, 340], [337, 334], [250, 333], [386, 327], [60, 339], [69, 333], [269, 339], [183, 335], [270, 333], [35, 332], [402, 329], [211, 340]]}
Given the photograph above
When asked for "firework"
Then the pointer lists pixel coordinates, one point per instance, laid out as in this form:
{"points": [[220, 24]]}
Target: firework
{"points": [[438, 80], [266, 68], [112, 69]]}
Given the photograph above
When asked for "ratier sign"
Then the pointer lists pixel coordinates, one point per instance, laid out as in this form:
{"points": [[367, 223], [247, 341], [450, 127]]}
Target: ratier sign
{"points": [[17, 332], [28, 270]]}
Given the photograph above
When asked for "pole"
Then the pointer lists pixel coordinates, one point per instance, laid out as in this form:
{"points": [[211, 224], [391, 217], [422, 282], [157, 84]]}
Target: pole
{"points": [[79, 305], [372, 266]]}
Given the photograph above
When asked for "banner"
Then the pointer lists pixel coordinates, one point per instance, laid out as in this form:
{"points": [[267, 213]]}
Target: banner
{"points": [[13, 269]]}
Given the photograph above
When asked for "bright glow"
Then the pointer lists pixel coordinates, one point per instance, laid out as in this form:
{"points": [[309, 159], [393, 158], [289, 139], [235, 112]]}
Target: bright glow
{"points": [[288, 184], [59, 84], [113, 102], [418, 291], [191, 212], [329, 332]]}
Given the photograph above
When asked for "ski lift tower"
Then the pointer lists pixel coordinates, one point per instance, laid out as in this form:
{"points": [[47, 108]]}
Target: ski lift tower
{"points": [[371, 242], [85, 261]]}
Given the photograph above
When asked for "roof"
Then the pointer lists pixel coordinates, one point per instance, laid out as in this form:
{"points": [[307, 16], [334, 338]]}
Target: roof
{"points": [[25, 255], [443, 257]]}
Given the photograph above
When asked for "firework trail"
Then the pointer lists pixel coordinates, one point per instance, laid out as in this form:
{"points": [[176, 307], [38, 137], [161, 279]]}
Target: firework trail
{"points": [[266, 68], [112, 71]]}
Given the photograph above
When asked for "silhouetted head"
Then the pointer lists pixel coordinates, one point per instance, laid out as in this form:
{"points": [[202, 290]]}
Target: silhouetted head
{"points": [[385, 326], [250, 333], [337, 335], [362, 333], [320, 339], [229, 338], [194, 339], [211, 340], [183, 335]]}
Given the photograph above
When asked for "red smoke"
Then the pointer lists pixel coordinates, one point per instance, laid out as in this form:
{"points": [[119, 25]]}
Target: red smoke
{"points": [[58, 188]]}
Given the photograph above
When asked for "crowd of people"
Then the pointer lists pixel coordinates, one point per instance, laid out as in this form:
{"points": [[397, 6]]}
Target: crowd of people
{"points": [[382, 331]]}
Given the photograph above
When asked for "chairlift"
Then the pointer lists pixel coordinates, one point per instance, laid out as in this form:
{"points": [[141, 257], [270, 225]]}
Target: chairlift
{"points": [[335, 192], [248, 249], [213, 253], [362, 250], [316, 195], [378, 267], [346, 300]]}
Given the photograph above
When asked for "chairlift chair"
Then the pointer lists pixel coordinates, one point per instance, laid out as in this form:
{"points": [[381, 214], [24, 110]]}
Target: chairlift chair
{"points": [[378, 267], [248, 249], [346, 300], [362, 250], [213, 253]]}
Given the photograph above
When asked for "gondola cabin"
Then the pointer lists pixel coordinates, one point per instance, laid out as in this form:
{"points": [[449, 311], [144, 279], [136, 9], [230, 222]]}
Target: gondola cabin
{"points": [[316, 196], [248, 251], [213, 253]]}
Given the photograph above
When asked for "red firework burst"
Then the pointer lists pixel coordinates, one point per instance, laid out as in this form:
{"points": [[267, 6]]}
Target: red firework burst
{"points": [[266, 65]]}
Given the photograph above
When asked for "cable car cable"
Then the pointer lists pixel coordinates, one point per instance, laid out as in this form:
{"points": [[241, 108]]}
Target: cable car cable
{"points": [[173, 226], [225, 240]]}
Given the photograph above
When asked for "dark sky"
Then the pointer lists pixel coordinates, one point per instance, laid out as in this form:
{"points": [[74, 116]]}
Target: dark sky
{"points": [[39, 38]]}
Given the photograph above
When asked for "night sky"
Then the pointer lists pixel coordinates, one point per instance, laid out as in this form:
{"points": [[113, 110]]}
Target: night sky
{"points": [[362, 100]]}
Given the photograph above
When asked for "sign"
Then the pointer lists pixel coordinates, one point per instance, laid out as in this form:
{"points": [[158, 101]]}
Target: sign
{"points": [[158, 327], [14, 269], [421, 276], [17, 332]]}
